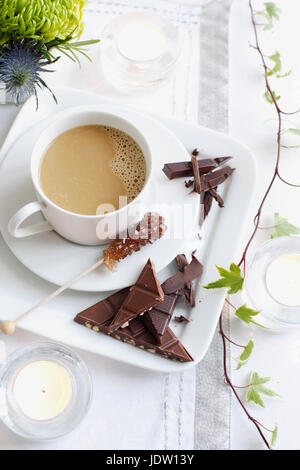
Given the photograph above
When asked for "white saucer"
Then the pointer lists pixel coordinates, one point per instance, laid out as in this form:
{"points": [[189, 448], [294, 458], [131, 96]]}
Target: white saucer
{"points": [[57, 260]]}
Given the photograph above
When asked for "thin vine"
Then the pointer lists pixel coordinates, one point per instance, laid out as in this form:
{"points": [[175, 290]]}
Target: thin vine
{"points": [[232, 278], [280, 113]]}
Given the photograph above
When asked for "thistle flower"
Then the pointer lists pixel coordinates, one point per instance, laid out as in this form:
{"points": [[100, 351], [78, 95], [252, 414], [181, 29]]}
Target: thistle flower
{"points": [[41, 19], [21, 61], [29, 32]]}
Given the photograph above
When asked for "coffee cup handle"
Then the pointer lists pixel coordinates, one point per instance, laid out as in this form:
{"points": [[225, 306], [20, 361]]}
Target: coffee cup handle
{"points": [[20, 217]]}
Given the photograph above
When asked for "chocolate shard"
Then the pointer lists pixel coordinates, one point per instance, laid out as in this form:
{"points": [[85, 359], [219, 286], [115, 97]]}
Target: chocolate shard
{"points": [[158, 319], [215, 178], [214, 193], [181, 319], [188, 183], [143, 295], [184, 169], [177, 282], [187, 291], [207, 203], [196, 172], [99, 316]]}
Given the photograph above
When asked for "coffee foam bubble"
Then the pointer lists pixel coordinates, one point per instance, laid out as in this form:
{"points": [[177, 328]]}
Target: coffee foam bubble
{"points": [[128, 163]]}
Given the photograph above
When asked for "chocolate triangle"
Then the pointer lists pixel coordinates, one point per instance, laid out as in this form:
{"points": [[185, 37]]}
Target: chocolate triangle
{"points": [[99, 316], [158, 319], [143, 295]]}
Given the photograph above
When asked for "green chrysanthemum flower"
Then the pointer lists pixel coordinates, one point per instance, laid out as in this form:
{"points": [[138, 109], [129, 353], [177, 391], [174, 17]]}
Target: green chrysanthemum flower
{"points": [[32, 32], [40, 19]]}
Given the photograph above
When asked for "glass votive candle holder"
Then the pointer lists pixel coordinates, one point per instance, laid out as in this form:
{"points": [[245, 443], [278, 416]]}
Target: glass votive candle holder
{"points": [[139, 50], [45, 391], [272, 282]]}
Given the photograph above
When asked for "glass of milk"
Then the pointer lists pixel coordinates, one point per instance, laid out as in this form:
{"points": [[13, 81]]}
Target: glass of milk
{"points": [[272, 283], [45, 391], [139, 50]]}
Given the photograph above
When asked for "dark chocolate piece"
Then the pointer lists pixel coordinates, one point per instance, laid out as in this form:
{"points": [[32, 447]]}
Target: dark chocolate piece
{"points": [[184, 169], [196, 172], [215, 178], [187, 291], [158, 319], [188, 183], [177, 282], [181, 319], [214, 193], [99, 316], [207, 203], [143, 295], [208, 199], [104, 311]]}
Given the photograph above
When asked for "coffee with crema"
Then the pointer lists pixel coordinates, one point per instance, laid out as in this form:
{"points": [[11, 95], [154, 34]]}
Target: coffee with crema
{"points": [[87, 169]]}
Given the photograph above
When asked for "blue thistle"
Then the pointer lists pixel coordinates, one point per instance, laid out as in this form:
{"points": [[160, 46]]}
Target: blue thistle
{"points": [[21, 62]]}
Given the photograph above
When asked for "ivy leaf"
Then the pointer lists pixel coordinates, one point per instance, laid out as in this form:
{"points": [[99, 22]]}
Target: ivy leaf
{"points": [[257, 388], [282, 227], [231, 279], [270, 13], [277, 62], [268, 97], [245, 314], [274, 437], [272, 10], [243, 358], [277, 67]]}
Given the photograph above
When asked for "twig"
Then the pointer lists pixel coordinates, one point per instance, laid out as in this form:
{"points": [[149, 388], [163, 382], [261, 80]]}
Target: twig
{"points": [[279, 132], [233, 388]]}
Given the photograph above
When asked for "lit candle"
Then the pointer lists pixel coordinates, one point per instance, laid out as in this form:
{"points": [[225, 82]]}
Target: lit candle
{"points": [[141, 41], [283, 279], [42, 390]]}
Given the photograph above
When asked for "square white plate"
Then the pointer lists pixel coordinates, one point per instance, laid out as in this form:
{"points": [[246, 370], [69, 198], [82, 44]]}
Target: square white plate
{"points": [[20, 289]]}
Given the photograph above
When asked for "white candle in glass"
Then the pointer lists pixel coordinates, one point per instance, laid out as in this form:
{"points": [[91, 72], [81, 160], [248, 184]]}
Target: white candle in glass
{"points": [[141, 41], [283, 279], [42, 390]]}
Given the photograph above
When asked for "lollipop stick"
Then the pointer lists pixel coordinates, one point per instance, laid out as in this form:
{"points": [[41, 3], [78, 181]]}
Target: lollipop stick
{"points": [[8, 327]]}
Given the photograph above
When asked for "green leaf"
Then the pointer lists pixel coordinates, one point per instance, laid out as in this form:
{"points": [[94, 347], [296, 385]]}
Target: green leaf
{"points": [[231, 279], [277, 62], [245, 314], [243, 358], [268, 97], [282, 227], [274, 437], [272, 10], [270, 13], [257, 388], [277, 67]]}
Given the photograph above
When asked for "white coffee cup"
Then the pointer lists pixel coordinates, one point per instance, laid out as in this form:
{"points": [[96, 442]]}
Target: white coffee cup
{"points": [[82, 229]]}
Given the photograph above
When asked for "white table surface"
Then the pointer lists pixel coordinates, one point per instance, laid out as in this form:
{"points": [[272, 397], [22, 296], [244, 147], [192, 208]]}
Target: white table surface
{"points": [[252, 121]]}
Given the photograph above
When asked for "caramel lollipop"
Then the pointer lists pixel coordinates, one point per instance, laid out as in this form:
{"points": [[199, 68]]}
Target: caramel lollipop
{"points": [[148, 230]]}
